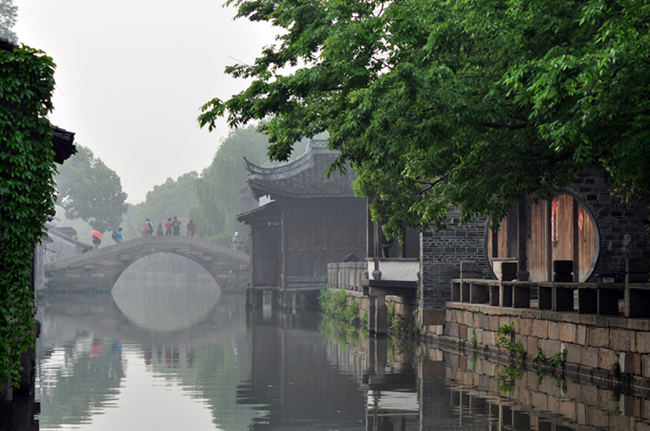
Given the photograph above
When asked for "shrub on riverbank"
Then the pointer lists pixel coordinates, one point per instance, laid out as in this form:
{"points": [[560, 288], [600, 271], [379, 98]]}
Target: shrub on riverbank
{"points": [[334, 304]]}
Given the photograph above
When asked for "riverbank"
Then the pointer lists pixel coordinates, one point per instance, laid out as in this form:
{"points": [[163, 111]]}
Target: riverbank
{"points": [[486, 383], [601, 349], [605, 350]]}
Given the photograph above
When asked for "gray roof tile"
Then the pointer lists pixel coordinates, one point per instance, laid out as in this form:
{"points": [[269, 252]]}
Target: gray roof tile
{"points": [[304, 177]]}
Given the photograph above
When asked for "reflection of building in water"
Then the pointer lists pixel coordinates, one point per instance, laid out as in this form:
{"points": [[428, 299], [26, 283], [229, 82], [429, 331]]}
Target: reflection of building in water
{"points": [[386, 376], [457, 392], [291, 378], [393, 410]]}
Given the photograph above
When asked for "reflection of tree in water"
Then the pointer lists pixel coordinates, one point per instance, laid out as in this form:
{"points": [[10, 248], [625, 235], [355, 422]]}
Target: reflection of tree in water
{"points": [[78, 381], [217, 379], [210, 372], [205, 361]]}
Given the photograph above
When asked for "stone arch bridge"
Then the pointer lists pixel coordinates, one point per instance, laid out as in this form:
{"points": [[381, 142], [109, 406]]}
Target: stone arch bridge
{"points": [[100, 269]]}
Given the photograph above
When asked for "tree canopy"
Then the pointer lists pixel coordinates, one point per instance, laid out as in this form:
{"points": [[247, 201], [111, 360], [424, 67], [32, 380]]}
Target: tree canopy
{"points": [[91, 191], [7, 20], [220, 184], [218, 187], [468, 103]]}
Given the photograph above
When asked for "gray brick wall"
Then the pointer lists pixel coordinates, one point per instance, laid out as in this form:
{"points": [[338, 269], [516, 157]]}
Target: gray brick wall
{"points": [[442, 252], [620, 226]]}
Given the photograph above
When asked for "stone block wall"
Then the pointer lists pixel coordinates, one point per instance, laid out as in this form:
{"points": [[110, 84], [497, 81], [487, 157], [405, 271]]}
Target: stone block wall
{"points": [[593, 344], [401, 306]]}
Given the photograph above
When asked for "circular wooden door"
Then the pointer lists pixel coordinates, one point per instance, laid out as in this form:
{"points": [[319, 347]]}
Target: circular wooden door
{"points": [[557, 229]]}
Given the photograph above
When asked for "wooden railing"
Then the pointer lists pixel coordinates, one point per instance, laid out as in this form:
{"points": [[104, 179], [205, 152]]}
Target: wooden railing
{"points": [[585, 298]]}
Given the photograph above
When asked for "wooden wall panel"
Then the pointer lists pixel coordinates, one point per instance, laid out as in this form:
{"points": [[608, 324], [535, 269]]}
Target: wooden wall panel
{"points": [[412, 243], [563, 245], [488, 248], [511, 228], [322, 231], [537, 243], [586, 243], [571, 236]]}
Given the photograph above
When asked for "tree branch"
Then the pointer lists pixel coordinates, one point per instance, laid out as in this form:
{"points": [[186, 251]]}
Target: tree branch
{"points": [[506, 126]]}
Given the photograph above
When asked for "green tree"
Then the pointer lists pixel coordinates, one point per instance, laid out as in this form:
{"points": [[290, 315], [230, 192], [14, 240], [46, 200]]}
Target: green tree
{"points": [[7, 20], [472, 104], [91, 191], [220, 184], [172, 198], [218, 187]]}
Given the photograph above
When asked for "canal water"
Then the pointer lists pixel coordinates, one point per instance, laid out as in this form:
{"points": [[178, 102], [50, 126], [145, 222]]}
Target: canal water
{"points": [[169, 351]]}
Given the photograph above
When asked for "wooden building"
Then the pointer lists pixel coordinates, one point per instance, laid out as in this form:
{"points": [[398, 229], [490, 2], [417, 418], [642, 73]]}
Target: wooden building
{"points": [[584, 223], [312, 220]]}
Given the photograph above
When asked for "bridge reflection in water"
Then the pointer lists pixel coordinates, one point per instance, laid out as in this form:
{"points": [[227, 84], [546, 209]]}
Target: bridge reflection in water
{"points": [[164, 292]]}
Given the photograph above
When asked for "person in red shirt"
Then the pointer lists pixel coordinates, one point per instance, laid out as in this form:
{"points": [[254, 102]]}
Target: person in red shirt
{"points": [[191, 228], [168, 227]]}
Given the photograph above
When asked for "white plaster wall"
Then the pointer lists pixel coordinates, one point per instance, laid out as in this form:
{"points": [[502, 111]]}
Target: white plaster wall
{"points": [[396, 269]]}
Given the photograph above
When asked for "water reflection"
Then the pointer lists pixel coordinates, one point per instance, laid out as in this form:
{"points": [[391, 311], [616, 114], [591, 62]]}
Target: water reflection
{"points": [[536, 400], [100, 368], [153, 292], [97, 370]]}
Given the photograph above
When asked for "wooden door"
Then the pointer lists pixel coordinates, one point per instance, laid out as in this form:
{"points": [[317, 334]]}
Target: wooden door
{"points": [[266, 254], [557, 229]]}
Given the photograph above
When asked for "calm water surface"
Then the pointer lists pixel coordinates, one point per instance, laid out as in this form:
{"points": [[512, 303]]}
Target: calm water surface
{"points": [[170, 352]]}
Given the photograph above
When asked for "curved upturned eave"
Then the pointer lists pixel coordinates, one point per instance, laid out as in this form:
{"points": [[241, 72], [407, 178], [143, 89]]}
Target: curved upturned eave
{"points": [[274, 180], [258, 192]]}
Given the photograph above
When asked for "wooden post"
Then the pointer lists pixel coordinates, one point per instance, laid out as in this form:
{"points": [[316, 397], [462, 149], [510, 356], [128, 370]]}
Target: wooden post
{"points": [[522, 230], [283, 248]]}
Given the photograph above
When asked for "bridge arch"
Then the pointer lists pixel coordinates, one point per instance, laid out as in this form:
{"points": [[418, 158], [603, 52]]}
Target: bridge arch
{"points": [[100, 269]]}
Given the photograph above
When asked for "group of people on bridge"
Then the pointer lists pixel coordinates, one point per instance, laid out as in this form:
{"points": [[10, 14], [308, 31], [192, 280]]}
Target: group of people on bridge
{"points": [[172, 228]]}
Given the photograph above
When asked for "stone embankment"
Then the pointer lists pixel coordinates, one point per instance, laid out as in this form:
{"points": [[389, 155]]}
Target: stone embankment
{"points": [[598, 348]]}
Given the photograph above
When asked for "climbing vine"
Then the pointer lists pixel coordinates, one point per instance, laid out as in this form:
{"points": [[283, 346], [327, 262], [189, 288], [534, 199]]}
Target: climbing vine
{"points": [[26, 191]]}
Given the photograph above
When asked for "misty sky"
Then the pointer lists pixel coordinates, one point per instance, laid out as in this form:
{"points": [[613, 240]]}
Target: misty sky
{"points": [[132, 75]]}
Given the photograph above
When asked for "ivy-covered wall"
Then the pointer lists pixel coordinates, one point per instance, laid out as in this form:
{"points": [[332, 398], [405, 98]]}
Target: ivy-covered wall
{"points": [[26, 191]]}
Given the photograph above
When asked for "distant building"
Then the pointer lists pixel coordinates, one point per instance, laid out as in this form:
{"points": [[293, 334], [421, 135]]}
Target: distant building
{"points": [[312, 220], [63, 243]]}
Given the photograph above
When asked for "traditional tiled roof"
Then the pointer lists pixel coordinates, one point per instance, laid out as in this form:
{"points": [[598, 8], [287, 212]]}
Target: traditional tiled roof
{"points": [[62, 142], [304, 177], [7, 46], [68, 234], [265, 213]]}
